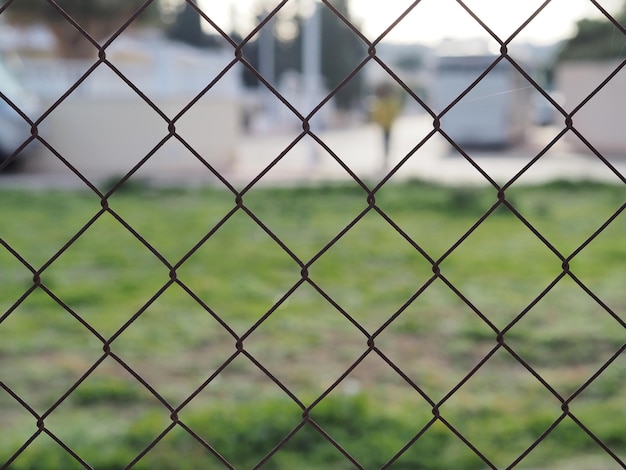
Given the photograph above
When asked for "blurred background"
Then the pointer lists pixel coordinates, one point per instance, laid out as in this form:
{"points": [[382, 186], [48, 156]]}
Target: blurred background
{"points": [[176, 61], [159, 326]]}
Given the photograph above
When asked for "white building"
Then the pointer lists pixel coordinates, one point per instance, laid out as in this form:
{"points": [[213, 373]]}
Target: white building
{"points": [[103, 127], [600, 120]]}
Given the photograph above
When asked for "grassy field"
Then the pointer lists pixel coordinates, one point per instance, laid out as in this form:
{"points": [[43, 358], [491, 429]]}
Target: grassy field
{"points": [[387, 291]]}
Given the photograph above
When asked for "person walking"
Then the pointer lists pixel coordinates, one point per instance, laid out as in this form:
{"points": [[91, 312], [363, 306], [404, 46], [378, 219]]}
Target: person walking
{"points": [[385, 108]]}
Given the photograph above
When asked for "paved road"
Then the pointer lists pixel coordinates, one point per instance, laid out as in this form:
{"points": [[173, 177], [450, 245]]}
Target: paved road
{"points": [[360, 148]]}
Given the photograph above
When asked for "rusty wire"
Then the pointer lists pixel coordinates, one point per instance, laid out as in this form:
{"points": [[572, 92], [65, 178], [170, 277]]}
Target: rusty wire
{"points": [[369, 338]]}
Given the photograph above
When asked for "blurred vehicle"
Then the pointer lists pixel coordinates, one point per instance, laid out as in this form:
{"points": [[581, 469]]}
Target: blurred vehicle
{"points": [[545, 112], [14, 130], [496, 112]]}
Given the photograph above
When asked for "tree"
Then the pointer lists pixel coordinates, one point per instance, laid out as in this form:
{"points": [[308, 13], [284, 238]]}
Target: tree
{"points": [[596, 39], [341, 52], [187, 28], [99, 18]]}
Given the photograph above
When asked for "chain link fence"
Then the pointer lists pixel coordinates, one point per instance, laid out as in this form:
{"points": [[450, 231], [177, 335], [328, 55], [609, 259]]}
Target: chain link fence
{"points": [[370, 341]]}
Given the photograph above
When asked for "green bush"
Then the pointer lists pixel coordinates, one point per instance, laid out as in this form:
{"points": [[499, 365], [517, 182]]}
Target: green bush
{"points": [[245, 433], [108, 390]]}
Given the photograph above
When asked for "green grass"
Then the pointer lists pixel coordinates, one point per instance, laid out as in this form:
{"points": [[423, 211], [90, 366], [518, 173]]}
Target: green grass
{"points": [[107, 276]]}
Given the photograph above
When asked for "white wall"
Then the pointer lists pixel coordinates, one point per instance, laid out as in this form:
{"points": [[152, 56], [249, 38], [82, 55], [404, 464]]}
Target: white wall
{"points": [[108, 137], [104, 128], [601, 120]]}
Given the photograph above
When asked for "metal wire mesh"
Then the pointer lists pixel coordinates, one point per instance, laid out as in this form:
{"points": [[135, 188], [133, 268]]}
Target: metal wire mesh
{"points": [[369, 337]]}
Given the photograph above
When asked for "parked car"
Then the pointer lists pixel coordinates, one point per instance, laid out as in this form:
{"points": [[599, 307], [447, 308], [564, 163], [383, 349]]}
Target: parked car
{"points": [[14, 130]]}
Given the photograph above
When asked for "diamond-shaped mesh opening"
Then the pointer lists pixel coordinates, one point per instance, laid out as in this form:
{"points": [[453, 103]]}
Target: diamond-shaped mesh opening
{"points": [[587, 336], [258, 426], [583, 119], [61, 218], [270, 157], [466, 204], [50, 348], [482, 281], [175, 160], [197, 344], [422, 450], [500, 19], [485, 106], [555, 211], [21, 422], [165, 451], [176, 231], [438, 330], [555, 156], [601, 286], [123, 148], [358, 317], [551, 445], [407, 18], [114, 400], [46, 449], [16, 278], [348, 416], [524, 425], [310, 443], [605, 433], [237, 288], [310, 220], [82, 281], [389, 273], [306, 355]]}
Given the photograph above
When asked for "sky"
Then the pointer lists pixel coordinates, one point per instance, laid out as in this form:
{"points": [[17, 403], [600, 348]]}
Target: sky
{"points": [[432, 20]]}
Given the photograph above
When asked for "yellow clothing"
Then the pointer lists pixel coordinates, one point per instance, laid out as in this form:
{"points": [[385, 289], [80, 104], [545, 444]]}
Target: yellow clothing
{"points": [[384, 111]]}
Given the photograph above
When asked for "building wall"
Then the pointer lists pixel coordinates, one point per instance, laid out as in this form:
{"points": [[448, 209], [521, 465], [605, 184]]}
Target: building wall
{"points": [[108, 137], [104, 128], [601, 120]]}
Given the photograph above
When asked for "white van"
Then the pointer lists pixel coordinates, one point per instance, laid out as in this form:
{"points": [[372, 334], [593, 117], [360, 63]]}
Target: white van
{"points": [[497, 112], [14, 130]]}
